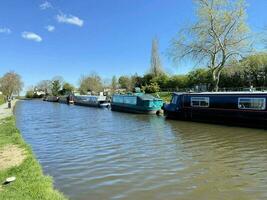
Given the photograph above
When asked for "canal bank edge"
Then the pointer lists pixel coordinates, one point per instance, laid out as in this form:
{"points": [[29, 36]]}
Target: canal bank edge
{"points": [[30, 183]]}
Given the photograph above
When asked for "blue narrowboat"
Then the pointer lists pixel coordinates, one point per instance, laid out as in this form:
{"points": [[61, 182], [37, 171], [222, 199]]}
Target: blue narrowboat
{"points": [[136, 103], [239, 108]]}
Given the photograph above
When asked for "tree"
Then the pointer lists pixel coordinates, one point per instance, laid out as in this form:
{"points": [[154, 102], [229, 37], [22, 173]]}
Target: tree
{"points": [[90, 83], [151, 88], [45, 86], [156, 67], [11, 84], [56, 86], [219, 36], [256, 68], [67, 88], [199, 77], [126, 83]]}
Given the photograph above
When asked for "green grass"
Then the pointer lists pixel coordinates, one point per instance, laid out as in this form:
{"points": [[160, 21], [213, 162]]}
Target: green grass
{"points": [[165, 96], [2, 99], [30, 183]]}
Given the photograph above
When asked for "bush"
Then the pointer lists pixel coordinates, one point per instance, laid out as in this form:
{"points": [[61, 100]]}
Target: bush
{"points": [[151, 88], [32, 95]]}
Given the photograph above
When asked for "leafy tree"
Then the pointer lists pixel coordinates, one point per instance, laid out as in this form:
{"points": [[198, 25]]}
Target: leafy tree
{"points": [[67, 88], [56, 86], [256, 68], [156, 67], [198, 77], [151, 88], [92, 83], [11, 84], [126, 83], [178, 82], [219, 36]]}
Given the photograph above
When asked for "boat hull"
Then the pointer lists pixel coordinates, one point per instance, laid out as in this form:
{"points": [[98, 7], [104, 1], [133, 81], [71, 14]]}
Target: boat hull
{"points": [[133, 109], [92, 104]]}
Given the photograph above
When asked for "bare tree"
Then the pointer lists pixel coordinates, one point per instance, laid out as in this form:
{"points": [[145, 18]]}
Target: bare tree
{"points": [[45, 86], [11, 84], [114, 83], [220, 35], [156, 67]]}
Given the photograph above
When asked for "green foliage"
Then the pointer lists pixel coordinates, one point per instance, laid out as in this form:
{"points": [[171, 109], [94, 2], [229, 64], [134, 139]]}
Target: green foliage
{"points": [[30, 182], [32, 95], [125, 82], [56, 87], [151, 88], [67, 88], [199, 76], [91, 83], [2, 99], [29, 94]]}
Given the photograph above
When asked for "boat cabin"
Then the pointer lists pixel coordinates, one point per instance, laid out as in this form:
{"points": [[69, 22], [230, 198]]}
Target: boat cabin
{"points": [[136, 103]]}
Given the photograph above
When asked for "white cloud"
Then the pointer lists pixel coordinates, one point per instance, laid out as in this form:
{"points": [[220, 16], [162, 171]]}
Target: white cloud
{"points": [[69, 19], [45, 5], [50, 28], [5, 30], [31, 36]]}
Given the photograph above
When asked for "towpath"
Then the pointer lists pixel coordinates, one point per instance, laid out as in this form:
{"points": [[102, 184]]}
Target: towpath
{"points": [[5, 111]]}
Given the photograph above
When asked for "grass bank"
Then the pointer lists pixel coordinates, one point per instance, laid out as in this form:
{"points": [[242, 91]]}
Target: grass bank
{"points": [[30, 183]]}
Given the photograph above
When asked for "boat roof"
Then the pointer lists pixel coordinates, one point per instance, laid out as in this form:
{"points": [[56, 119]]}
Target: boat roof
{"points": [[148, 97], [142, 96], [223, 93]]}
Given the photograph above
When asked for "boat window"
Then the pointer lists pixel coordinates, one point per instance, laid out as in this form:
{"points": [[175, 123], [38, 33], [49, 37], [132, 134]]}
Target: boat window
{"points": [[117, 99], [174, 99], [252, 103], [130, 100], [200, 101]]}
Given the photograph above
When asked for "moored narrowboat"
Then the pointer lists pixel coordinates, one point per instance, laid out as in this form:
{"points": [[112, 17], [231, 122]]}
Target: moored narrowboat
{"points": [[51, 99], [238, 108], [69, 99], [91, 101], [136, 103]]}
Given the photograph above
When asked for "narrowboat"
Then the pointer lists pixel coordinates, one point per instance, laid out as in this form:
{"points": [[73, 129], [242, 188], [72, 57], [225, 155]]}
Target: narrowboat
{"points": [[69, 99], [91, 101], [136, 103], [51, 99], [236, 108]]}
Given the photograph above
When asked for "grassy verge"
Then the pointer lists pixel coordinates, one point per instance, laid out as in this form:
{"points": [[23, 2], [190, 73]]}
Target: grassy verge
{"points": [[165, 96], [30, 183], [2, 99]]}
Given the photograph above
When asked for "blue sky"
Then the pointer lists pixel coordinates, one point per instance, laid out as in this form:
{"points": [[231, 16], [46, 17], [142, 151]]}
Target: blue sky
{"points": [[42, 39]]}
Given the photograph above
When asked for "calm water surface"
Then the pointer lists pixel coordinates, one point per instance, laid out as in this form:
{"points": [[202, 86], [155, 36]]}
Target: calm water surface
{"points": [[99, 154]]}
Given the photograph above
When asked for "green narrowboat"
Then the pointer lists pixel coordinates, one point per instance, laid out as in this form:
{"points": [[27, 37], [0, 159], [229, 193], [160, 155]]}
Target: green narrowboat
{"points": [[136, 103]]}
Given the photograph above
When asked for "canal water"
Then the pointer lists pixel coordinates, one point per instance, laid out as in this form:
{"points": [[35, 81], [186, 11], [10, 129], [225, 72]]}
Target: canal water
{"points": [[98, 154]]}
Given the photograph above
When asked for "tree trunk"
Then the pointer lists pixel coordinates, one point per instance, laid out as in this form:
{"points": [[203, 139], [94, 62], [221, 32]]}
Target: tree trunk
{"points": [[216, 79]]}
